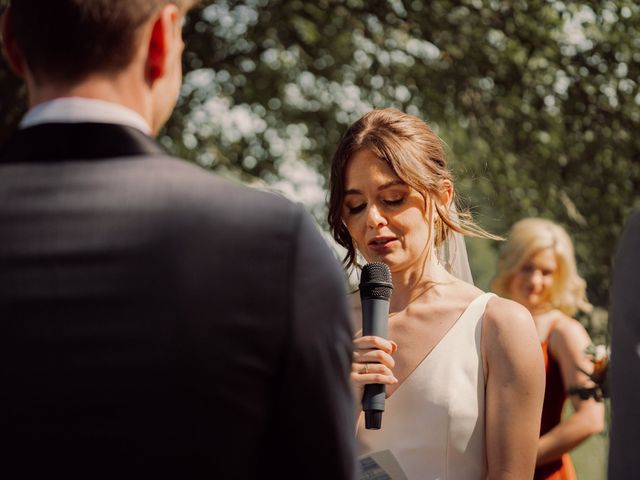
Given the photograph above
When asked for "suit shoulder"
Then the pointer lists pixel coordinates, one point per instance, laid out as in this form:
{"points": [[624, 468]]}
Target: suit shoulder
{"points": [[631, 230], [189, 186], [634, 220]]}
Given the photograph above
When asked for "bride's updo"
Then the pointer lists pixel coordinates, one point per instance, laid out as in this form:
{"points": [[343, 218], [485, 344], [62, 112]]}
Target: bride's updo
{"points": [[415, 154]]}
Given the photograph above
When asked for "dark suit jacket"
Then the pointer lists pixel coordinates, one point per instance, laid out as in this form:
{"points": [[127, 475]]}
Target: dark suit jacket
{"points": [[159, 321], [625, 357]]}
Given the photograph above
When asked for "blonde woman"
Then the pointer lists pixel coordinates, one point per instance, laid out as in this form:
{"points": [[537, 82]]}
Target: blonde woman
{"points": [[463, 368], [537, 269]]}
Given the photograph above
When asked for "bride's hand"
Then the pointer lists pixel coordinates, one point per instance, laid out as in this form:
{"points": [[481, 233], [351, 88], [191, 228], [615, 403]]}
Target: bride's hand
{"points": [[372, 363]]}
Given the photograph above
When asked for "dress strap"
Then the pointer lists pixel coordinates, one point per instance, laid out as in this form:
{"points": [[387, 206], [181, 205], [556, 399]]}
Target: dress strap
{"points": [[475, 310], [545, 344], [479, 304], [485, 298]]}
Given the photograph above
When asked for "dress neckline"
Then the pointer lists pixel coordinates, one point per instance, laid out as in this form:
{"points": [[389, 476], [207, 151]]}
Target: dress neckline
{"points": [[431, 352]]}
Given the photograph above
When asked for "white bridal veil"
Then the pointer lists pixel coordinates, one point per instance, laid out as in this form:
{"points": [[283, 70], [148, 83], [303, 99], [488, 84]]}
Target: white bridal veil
{"points": [[453, 254]]}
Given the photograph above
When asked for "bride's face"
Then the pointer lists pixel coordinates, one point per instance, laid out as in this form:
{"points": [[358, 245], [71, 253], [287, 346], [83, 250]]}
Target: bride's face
{"points": [[387, 219], [531, 286]]}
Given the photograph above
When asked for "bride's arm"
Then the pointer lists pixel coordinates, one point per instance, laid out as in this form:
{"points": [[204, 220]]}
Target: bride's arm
{"points": [[514, 369]]}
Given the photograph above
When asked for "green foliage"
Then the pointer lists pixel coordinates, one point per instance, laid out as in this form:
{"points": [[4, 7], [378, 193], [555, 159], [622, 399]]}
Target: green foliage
{"points": [[590, 458], [537, 100]]}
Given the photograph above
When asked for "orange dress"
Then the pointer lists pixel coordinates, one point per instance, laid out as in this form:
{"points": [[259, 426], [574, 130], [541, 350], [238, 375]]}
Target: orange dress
{"points": [[554, 398]]}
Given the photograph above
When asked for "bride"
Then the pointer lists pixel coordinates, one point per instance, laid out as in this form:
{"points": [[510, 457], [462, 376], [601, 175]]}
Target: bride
{"points": [[463, 369]]}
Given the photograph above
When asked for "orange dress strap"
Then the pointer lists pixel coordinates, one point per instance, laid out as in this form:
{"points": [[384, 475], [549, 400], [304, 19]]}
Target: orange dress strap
{"points": [[545, 343]]}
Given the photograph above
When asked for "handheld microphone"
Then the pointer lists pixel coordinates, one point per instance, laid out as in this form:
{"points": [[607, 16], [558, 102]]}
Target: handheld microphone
{"points": [[375, 292]]}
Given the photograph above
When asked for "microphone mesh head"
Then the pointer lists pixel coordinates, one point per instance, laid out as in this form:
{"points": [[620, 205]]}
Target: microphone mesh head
{"points": [[375, 281]]}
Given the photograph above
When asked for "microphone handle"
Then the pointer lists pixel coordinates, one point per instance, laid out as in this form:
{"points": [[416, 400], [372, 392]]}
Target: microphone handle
{"points": [[375, 315]]}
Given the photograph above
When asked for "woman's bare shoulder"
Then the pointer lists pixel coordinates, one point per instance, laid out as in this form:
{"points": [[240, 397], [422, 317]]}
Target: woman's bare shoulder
{"points": [[568, 333], [510, 343], [502, 314], [460, 292], [563, 323], [466, 288]]}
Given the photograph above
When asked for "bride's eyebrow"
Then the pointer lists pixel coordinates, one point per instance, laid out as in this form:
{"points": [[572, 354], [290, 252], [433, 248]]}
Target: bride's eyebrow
{"points": [[392, 183]]}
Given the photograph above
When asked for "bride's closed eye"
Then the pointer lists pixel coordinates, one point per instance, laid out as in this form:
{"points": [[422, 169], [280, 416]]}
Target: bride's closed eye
{"points": [[356, 209], [389, 202], [394, 201]]}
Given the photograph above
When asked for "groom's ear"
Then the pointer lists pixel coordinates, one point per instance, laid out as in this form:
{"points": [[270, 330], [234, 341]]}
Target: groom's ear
{"points": [[163, 40], [10, 50]]}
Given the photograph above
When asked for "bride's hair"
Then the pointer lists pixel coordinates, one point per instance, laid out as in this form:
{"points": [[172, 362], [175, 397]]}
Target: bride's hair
{"points": [[530, 235], [415, 154]]}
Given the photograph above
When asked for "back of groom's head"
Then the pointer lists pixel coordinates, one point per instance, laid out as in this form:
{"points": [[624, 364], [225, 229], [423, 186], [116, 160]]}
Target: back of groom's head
{"points": [[127, 52], [66, 40]]}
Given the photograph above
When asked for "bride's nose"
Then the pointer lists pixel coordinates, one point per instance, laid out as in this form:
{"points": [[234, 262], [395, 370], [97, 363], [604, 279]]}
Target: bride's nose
{"points": [[375, 218]]}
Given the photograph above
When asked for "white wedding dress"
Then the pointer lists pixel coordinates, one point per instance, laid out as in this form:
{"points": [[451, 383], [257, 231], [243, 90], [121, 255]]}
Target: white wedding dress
{"points": [[434, 422]]}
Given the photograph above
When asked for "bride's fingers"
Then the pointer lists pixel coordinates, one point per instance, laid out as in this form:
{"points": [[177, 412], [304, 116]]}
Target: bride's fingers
{"points": [[374, 356], [366, 373], [377, 343], [371, 368]]}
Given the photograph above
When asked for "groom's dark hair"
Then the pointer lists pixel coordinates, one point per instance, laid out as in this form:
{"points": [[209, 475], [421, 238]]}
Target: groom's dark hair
{"points": [[65, 40]]}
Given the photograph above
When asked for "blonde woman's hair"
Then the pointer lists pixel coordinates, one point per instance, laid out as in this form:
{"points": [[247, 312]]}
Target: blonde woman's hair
{"points": [[530, 235], [415, 154]]}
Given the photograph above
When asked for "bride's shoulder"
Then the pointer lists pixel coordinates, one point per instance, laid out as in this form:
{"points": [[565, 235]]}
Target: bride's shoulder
{"points": [[466, 292], [503, 317], [509, 334]]}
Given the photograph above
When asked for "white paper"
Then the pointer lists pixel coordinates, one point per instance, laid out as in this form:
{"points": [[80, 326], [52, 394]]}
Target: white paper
{"points": [[380, 466]]}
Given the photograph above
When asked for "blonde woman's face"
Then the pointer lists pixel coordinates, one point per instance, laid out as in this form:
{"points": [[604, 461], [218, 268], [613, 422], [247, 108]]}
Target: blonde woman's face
{"points": [[386, 218], [531, 286]]}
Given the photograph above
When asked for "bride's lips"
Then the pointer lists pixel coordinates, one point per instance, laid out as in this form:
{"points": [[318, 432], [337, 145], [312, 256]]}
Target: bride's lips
{"points": [[381, 244]]}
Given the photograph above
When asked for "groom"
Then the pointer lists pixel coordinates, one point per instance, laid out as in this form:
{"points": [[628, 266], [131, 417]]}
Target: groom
{"points": [[625, 356], [155, 320]]}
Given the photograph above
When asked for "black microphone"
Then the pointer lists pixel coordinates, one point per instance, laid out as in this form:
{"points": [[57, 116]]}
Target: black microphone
{"points": [[375, 292]]}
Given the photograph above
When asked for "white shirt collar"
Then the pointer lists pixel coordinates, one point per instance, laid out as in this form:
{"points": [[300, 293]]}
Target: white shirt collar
{"points": [[83, 110]]}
